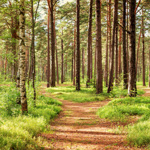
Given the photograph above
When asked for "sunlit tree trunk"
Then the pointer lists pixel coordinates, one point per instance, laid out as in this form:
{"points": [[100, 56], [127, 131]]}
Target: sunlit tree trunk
{"points": [[22, 57], [125, 71], [110, 87], [48, 51], [143, 52], [62, 59]]}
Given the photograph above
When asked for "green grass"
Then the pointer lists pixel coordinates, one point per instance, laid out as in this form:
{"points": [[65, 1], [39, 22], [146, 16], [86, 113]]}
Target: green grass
{"points": [[86, 94], [16, 131], [120, 110]]}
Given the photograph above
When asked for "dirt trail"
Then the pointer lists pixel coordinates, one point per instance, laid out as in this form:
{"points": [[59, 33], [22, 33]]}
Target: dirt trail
{"points": [[79, 128]]}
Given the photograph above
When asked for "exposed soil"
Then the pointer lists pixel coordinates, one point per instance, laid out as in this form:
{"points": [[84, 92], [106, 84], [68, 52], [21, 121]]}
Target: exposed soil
{"points": [[79, 128]]}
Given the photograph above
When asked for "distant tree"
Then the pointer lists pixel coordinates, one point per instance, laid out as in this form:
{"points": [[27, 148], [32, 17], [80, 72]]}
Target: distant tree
{"points": [[110, 87], [89, 61]]}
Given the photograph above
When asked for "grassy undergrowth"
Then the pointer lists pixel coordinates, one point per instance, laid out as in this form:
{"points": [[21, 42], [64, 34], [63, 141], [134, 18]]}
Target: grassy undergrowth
{"points": [[16, 131], [86, 94], [121, 109]]}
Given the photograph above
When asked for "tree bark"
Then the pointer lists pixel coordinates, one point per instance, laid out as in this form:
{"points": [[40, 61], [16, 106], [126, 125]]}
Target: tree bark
{"points": [[125, 70], [62, 59], [22, 57], [110, 87], [74, 58], [99, 81], [116, 41], [143, 52], [83, 61], [109, 23], [89, 44], [33, 52], [106, 59], [138, 47], [120, 44], [48, 51], [149, 67], [52, 46], [132, 69], [78, 48]]}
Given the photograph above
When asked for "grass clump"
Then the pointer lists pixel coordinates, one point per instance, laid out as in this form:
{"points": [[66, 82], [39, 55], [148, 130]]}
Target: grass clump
{"points": [[16, 131], [87, 94], [121, 109], [84, 95]]}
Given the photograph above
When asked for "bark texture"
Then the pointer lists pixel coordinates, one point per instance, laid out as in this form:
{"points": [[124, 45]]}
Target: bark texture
{"points": [[78, 48], [132, 69], [99, 78], [22, 58]]}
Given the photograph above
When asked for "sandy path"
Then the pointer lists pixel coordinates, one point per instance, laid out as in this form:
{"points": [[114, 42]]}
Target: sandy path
{"points": [[79, 128]]}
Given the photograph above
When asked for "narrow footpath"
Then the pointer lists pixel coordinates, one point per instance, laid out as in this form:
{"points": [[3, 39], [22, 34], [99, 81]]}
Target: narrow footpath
{"points": [[79, 128]]}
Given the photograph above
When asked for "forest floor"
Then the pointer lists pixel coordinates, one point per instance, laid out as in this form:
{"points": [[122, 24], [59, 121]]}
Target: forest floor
{"points": [[78, 128]]}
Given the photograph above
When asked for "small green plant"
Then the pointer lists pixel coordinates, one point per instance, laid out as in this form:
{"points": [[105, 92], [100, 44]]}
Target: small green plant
{"points": [[16, 131]]}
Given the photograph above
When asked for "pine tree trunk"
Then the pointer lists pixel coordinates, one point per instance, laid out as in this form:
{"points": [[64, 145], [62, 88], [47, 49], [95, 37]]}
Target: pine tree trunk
{"points": [[120, 43], [48, 52], [52, 47], [143, 52], [83, 61], [57, 66], [116, 41], [113, 47], [22, 57], [106, 59], [149, 67], [132, 69], [33, 52], [89, 44], [62, 59], [125, 71], [138, 47], [74, 58], [78, 48], [109, 21], [99, 81]]}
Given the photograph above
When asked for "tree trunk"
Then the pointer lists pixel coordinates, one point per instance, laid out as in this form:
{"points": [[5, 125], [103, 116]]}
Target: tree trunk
{"points": [[116, 41], [106, 59], [22, 57], [52, 46], [57, 66], [132, 69], [143, 52], [149, 67], [83, 61], [78, 48], [48, 51], [125, 71], [138, 47], [112, 51], [62, 59], [33, 52], [99, 82], [120, 43], [109, 21], [89, 44], [74, 63]]}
